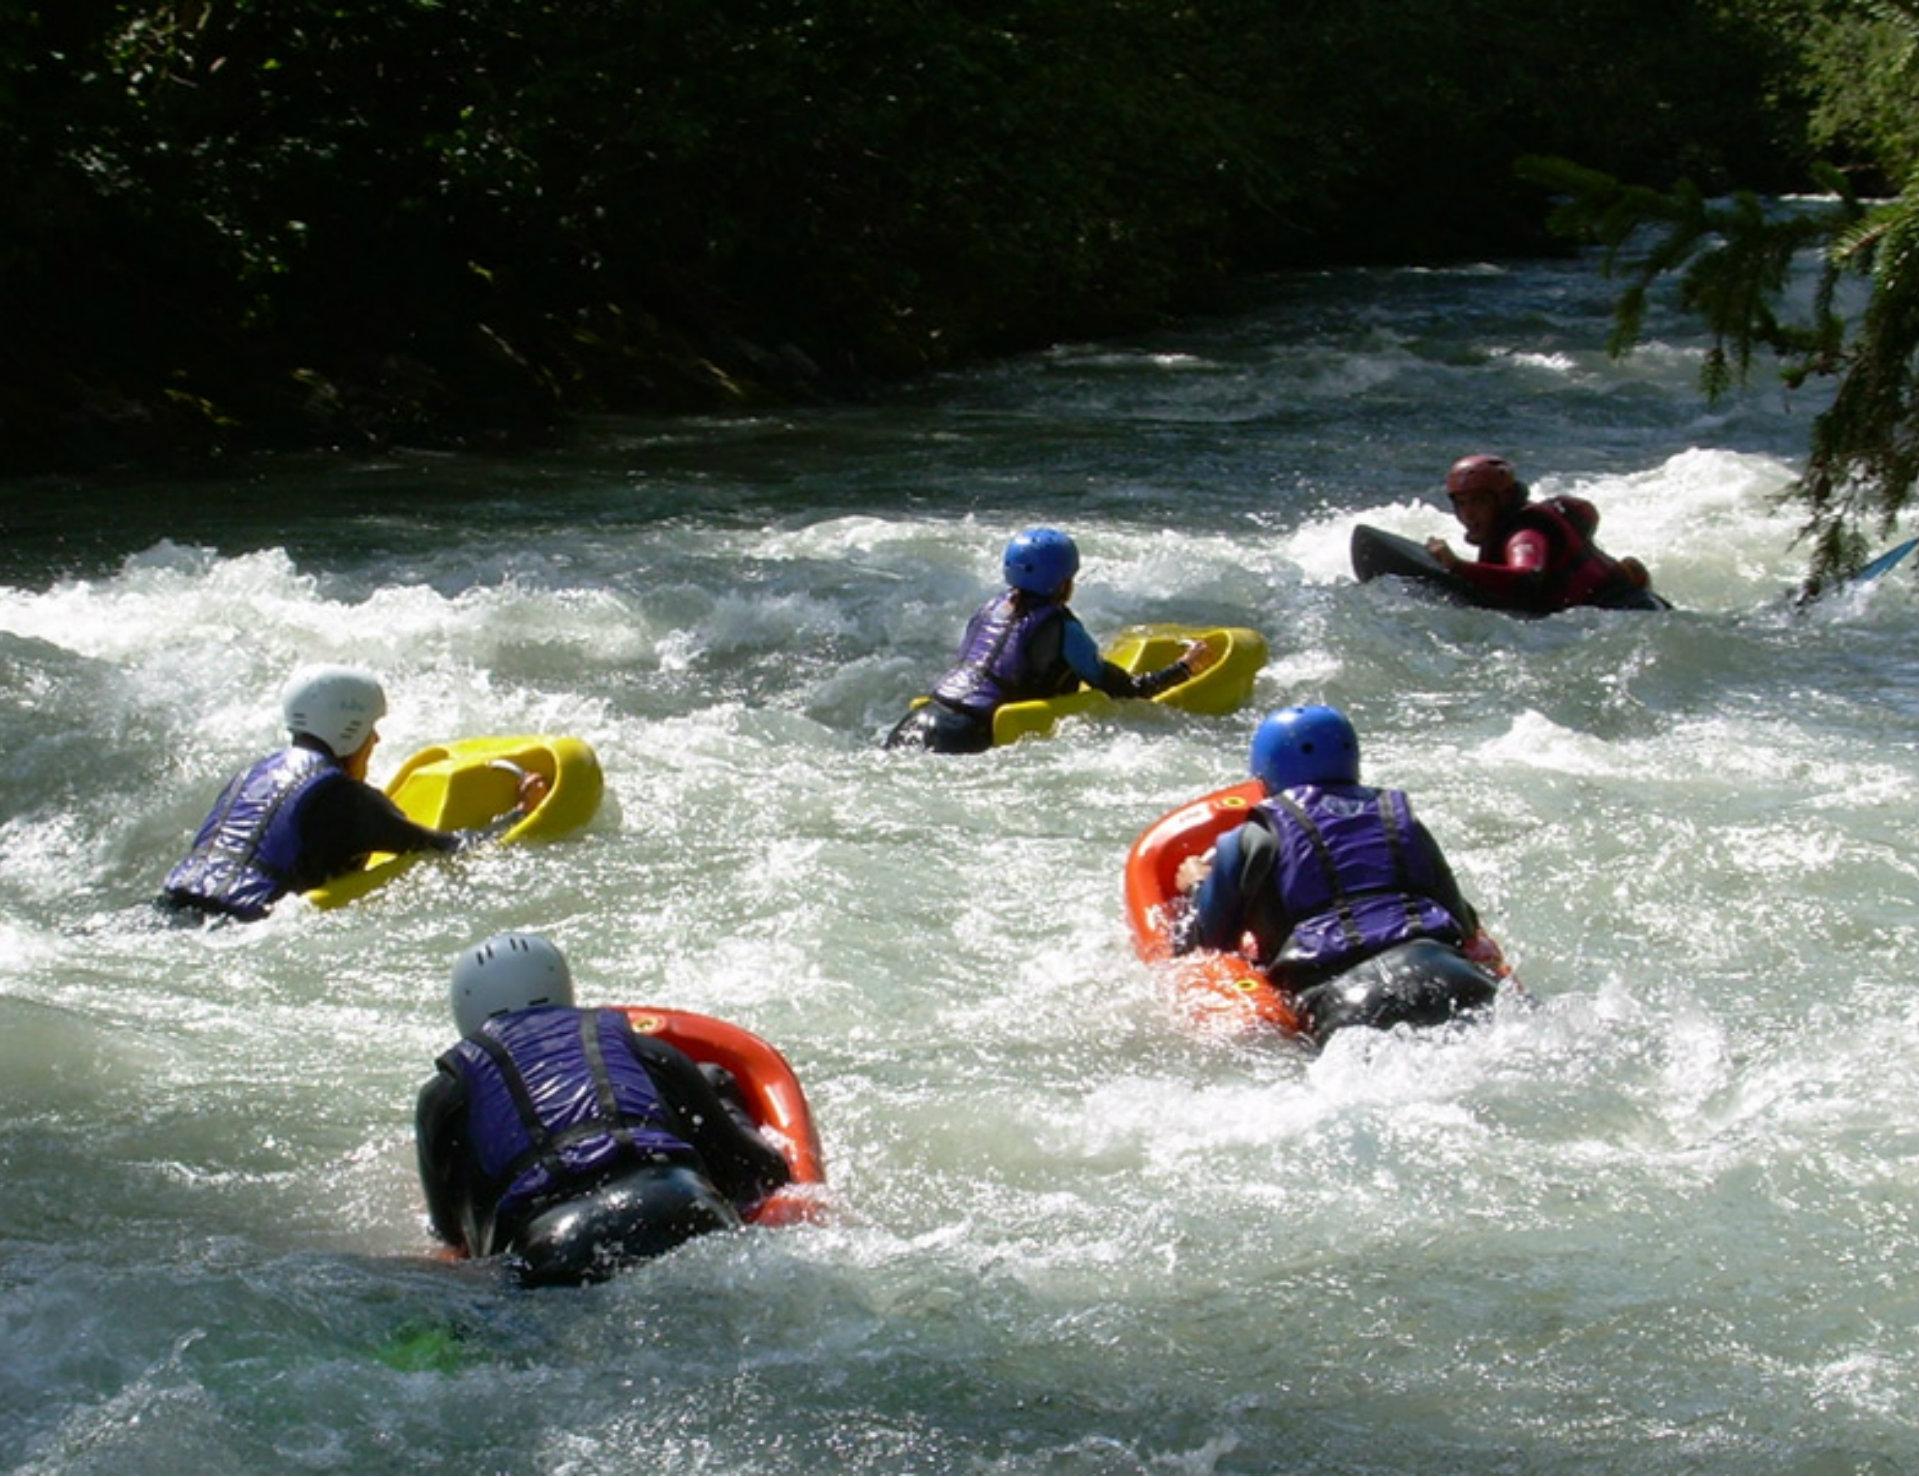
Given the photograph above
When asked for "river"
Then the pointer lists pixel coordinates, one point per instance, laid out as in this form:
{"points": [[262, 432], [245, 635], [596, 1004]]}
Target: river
{"points": [[1664, 1217]]}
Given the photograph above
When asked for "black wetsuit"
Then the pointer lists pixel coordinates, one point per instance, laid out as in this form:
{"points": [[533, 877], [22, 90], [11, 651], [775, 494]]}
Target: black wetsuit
{"points": [[330, 832]]}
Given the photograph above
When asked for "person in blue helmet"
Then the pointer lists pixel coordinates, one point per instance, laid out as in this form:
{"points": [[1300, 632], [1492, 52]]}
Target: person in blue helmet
{"points": [[1025, 643], [305, 813], [564, 1139], [1348, 898]]}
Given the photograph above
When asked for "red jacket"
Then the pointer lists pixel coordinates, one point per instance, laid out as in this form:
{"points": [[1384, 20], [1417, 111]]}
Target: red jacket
{"points": [[1542, 558]]}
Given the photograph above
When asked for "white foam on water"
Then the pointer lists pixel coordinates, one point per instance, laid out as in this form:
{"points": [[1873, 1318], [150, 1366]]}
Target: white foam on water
{"points": [[1659, 1206]]}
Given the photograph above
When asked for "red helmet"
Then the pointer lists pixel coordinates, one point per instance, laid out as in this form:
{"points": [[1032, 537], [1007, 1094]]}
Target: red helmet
{"points": [[1481, 474]]}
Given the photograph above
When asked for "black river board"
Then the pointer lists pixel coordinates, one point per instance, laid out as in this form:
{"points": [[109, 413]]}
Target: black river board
{"points": [[1378, 554]]}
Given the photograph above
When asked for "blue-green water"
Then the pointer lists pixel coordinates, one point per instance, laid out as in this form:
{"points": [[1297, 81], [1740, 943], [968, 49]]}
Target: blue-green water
{"points": [[1664, 1220]]}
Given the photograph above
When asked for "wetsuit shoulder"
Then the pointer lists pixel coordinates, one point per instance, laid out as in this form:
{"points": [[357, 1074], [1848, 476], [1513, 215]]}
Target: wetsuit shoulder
{"points": [[439, 1119], [345, 819], [742, 1164]]}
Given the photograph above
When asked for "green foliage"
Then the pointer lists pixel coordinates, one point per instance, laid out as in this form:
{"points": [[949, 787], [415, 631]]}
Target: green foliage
{"points": [[1732, 262], [224, 220], [1864, 68]]}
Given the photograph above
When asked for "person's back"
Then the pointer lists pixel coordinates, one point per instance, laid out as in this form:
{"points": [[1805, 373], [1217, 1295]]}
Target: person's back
{"points": [[557, 1135], [249, 851], [1348, 899], [553, 1099], [1354, 873], [1013, 651]]}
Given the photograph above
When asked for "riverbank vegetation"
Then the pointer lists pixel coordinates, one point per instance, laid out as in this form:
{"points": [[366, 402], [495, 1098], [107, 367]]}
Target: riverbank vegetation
{"points": [[227, 223], [1733, 262]]}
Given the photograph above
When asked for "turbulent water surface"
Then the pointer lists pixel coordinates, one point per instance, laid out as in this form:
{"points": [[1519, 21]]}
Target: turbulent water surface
{"points": [[1663, 1218]]}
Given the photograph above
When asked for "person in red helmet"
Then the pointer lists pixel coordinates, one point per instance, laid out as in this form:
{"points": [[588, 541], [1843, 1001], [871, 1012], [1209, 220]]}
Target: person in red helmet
{"points": [[1538, 557]]}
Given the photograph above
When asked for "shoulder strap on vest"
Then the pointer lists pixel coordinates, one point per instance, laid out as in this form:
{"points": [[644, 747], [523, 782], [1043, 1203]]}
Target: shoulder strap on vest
{"points": [[545, 1146], [1349, 925], [1396, 843], [516, 1089], [602, 1083]]}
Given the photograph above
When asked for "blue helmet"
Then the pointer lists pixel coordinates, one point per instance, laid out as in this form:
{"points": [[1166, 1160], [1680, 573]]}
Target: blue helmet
{"points": [[1305, 746], [1041, 561]]}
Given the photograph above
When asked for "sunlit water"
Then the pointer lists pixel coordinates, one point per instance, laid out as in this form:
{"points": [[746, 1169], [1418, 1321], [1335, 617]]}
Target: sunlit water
{"points": [[1662, 1219]]}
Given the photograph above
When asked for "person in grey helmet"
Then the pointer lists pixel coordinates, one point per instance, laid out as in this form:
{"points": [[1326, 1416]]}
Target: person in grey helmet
{"points": [[560, 1136], [305, 813], [1025, 643]]}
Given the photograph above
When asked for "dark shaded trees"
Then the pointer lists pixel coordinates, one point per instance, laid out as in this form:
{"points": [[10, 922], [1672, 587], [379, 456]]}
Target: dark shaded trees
{"points": [[225, 221], [1734, 261]]}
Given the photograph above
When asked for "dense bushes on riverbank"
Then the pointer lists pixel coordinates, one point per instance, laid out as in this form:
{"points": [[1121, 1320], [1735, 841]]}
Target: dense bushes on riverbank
{"points": [[229, 221]]}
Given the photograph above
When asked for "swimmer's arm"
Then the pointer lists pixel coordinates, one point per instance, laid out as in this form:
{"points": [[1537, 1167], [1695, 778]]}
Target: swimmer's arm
{"points": [[436, 1138], [1214, 915], [742, 1164], [372, 822], [1519, 578], [1082, 655]]}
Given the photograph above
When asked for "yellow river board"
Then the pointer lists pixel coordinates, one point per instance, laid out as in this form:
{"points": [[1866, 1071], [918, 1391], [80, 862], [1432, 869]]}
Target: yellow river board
{"points": [[469, 782], [1223, 688]]}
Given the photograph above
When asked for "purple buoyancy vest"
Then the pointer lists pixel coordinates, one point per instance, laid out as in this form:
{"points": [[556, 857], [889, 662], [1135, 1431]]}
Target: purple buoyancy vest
{"points": [[993, 666], [1351, 870], [246, 855], [555, 1100]]}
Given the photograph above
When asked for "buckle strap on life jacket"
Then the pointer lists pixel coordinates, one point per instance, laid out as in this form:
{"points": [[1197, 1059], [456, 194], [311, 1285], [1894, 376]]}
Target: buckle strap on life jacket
{"points": [[1342, 903], [602, 1081], [1402, 872]]}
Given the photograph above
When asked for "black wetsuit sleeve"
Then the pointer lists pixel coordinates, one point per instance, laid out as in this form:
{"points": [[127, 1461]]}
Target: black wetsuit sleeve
{"points": [[1446, 889], [1118, 682], [439, 1119], [377, 824], [744, 1166], [346, 819]]}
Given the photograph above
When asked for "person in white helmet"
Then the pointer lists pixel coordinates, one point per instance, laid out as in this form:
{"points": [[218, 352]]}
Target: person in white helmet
{"points": [[305, 813], [565, 1139]]}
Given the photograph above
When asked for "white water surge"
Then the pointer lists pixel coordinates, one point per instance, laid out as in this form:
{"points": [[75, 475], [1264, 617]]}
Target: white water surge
{"points": [[1665, 1218]]}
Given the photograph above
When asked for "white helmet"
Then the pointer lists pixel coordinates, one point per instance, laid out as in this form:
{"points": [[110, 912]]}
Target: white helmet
{"points": [[510, 971], [336, 705]]}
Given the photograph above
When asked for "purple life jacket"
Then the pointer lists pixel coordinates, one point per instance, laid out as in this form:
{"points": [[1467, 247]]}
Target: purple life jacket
{"points": [[556, 1101], [1350, 870], [246, 855], [994, 663]]}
